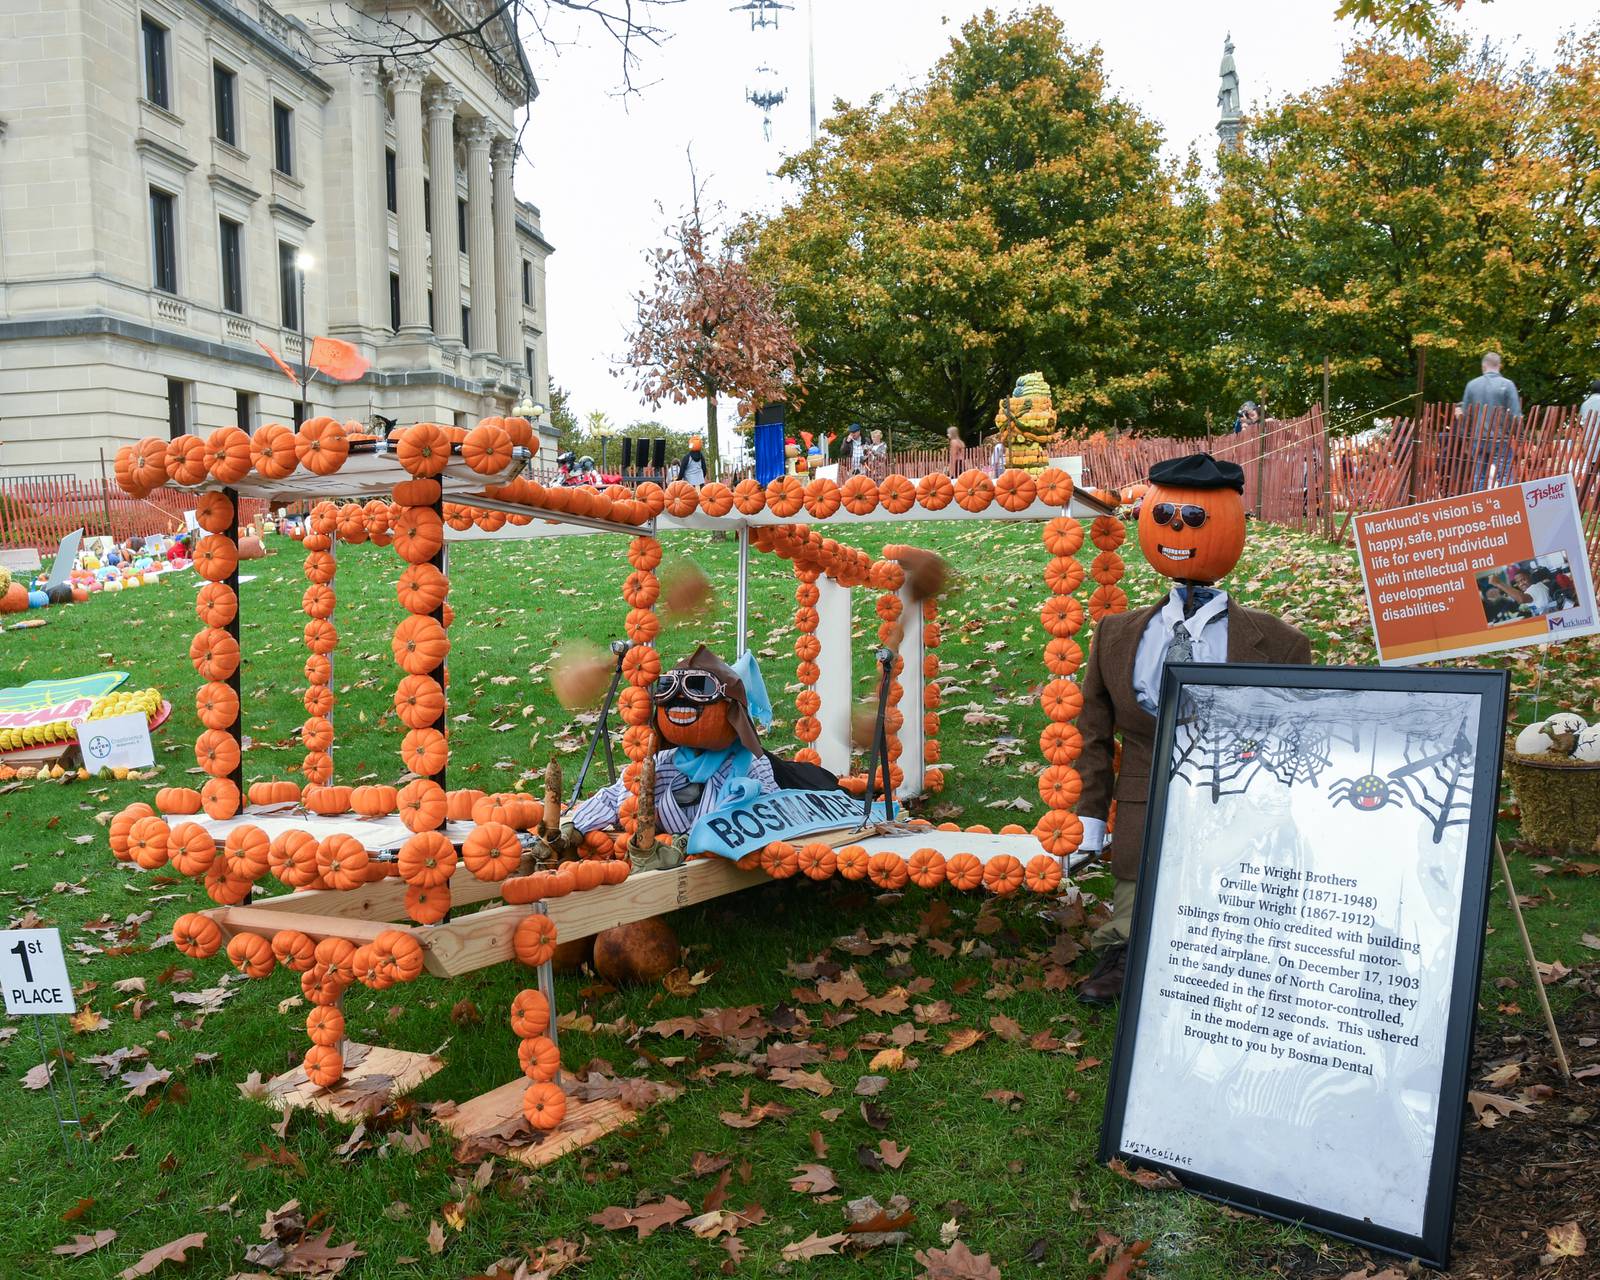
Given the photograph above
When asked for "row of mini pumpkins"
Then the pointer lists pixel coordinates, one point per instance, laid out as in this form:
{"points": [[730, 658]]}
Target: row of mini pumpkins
{"points": [[229, 454]]}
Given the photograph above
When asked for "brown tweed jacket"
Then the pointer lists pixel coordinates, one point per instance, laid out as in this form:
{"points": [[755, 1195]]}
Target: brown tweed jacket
{"points": [[1110, 707]]}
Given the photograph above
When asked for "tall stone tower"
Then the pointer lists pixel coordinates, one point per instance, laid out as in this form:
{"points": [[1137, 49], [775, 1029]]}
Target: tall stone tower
{"points": [[1230, 120]]}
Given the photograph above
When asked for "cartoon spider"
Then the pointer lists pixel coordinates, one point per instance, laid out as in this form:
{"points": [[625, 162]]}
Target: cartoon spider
{"points": [[1246, 749], [1369, 792]]}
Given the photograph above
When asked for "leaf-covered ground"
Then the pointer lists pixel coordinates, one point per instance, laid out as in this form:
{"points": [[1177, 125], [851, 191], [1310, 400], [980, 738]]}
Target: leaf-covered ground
{"points": [[831, 1044]]}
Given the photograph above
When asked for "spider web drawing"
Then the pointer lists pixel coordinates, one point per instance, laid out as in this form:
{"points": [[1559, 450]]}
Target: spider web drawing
{"points": [[1438, 782], [1301, 754], [1222, 753]]}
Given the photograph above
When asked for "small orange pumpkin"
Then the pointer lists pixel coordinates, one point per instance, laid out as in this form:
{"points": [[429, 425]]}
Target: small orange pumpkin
{"points": [[217, 752], [179, 800], [220, 798], [1060, 832], [896, 494], [427, 859], [422, 588], [197, 936], [422, 805], [1015, 489], [420, 645], [216, 557], [321, 445], [190, 849], [323, 1065], [1042, 874], [216, 605], [325, 1024], [228, 455], [540, 1058], [294, 951], [251, 955], [1063, 536], [533, 944], [419, 701], [423, 449], [147, 842], [544, 1105], [273, 451], [963, 871], [424, 751], [187, 463], [749, 497], [342, 862], [935, 492], [492, 851]]}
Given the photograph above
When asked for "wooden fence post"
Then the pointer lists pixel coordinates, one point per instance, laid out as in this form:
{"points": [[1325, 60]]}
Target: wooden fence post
{"points": [[1327, 469]]}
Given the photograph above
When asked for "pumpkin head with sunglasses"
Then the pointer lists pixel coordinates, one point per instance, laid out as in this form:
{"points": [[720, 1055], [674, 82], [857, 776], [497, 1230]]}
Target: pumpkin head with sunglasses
{"points": [[1191, 523], [708, 741]]}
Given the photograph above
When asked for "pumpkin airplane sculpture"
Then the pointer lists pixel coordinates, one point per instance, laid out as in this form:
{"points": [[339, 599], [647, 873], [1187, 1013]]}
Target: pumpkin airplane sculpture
{"points": [[1191, 529]]}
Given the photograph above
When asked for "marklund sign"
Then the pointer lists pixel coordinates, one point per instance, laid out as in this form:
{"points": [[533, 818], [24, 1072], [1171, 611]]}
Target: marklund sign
{"points": [[753, 822]]}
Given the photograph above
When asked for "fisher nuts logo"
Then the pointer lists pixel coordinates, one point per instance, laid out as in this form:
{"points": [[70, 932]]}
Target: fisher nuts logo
{"points": [[99, 747]]}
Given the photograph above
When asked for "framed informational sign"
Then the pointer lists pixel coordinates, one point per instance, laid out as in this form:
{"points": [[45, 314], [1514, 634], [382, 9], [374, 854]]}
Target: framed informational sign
{"points": [[1297, 1020], [1490, 570]]}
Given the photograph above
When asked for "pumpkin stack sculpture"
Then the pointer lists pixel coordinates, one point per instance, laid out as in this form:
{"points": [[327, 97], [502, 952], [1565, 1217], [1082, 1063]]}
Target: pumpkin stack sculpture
{"points": [[1027, 423], [1191, 529]]}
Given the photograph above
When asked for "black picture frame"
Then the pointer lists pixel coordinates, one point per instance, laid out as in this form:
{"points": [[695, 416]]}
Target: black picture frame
{"points": [[1432, 1244]]}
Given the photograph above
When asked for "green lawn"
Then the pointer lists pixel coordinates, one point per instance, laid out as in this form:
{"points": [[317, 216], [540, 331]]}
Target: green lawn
{"points": [[1001, 1136]]}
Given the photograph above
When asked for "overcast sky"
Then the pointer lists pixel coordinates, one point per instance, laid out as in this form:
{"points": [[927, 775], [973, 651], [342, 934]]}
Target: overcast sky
{"points": [[600, 165]]}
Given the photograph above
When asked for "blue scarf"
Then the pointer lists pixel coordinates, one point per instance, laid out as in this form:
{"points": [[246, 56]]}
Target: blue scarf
{"points": [[699, 766]]}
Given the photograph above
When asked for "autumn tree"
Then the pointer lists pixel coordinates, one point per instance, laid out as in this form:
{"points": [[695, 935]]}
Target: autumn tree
{"points": [[1010, 214], [1432, 197], [708, 327]]}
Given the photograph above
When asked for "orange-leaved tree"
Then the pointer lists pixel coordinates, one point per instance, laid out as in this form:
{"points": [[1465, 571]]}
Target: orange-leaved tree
{"points": [[707, 327]]}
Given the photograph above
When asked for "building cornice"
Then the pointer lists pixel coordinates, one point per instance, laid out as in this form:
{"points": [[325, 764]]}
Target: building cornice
{"points": [[232, 186], [100, 325], [289, 213], [149, 145], [258, 35]]}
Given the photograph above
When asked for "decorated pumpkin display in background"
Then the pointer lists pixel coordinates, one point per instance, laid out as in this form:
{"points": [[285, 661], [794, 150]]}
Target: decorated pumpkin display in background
{"points": [[1187, 532], [641, 952]]}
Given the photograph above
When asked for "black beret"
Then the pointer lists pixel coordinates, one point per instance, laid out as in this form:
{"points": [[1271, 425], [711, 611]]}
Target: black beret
{"points": [[1198, 471]]}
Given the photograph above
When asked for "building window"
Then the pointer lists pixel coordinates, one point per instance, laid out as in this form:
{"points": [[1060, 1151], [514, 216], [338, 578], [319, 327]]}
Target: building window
{"points": [[527, 360], [430, 311], [427, 206], [527, 283], [466, 326], [223, 85], [300, 414], [391, 179], [157, 84], [244, 413], [231, 236], [288, 285], [461, 225], [164, 240], [177, 408], [394, 301], [282, 139]]}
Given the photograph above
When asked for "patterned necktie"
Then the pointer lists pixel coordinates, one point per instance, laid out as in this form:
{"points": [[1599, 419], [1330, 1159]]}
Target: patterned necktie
{"points": [[1182, 647]]}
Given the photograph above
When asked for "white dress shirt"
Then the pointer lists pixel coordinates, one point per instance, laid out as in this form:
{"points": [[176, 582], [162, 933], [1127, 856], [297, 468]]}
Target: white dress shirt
{"points": [[1208, 633]]}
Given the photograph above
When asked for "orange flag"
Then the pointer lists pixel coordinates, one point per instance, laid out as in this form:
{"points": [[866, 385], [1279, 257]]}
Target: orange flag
{"points": [[337, 360], [278, 360]]}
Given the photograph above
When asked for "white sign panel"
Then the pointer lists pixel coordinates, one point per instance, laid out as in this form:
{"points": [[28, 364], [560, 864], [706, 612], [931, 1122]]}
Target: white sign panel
{"points": [[34, 972], [117, 742], [1306, 947]]}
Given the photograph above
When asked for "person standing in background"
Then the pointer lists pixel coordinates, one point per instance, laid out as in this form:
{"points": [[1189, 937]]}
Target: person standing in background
{"points": [[692, 466], [878, 455], [1490, 429], [1249, 415], [853, 456]]}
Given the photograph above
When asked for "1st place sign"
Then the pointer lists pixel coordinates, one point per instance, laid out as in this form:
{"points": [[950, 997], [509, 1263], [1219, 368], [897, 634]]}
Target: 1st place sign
{"points": [[33, 971]]}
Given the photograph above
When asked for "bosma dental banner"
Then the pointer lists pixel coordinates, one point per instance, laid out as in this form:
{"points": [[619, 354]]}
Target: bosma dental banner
{"points": [[1490, 570]]}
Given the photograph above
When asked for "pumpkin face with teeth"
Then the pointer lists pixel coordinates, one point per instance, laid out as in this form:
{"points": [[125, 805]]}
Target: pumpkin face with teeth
{"points": [[692, 710], [1193, 535]]}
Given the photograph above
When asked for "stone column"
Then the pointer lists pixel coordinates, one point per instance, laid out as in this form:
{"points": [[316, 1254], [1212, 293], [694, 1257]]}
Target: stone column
{"points": [[408, 180], [371, 106], [507, 271], [442, 173], [480, 237]]}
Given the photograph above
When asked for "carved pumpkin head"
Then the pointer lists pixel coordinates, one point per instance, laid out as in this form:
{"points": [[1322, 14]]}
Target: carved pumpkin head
{"points": [[700, 703], [1191, 522]]}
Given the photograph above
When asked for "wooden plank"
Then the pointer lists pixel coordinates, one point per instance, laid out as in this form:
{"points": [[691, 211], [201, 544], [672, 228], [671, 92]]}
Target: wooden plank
{"points": [[266, 923], [480, 940], [392, 1071], [584, 1123], [385, 900]]}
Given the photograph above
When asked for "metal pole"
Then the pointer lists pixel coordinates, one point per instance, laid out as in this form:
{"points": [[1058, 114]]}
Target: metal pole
{"points": [[811, 62], [742, 600], [305, 356]]}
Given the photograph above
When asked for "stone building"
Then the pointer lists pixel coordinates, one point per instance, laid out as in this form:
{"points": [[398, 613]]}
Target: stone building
{"points": [[182, 181]]}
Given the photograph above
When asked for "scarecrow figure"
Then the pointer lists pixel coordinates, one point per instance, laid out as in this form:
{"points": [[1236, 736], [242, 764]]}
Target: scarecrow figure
{"points": [[703, 719], [1191, 529]]}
